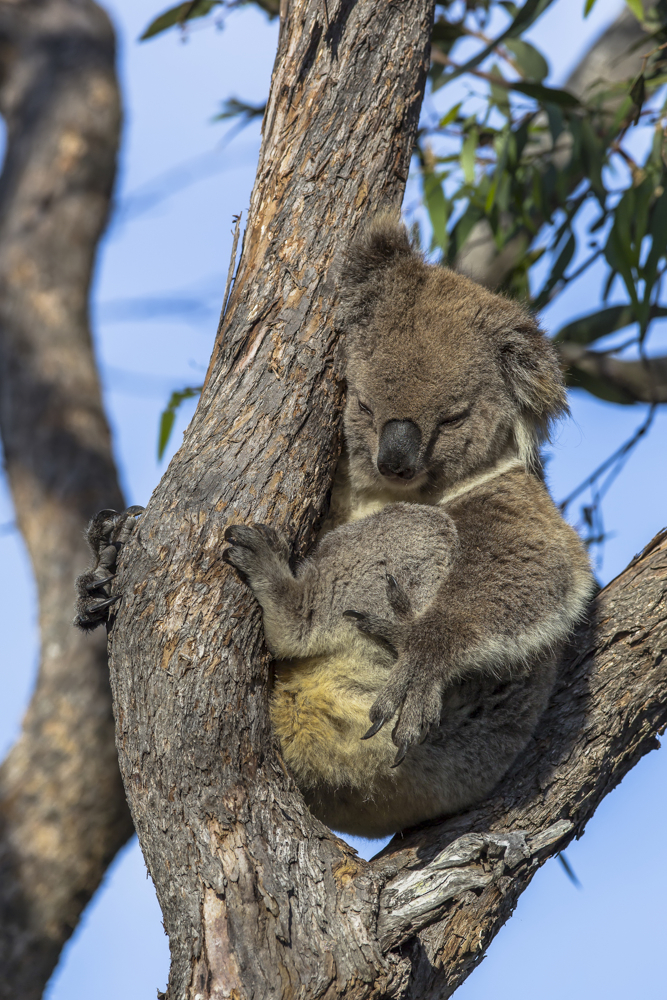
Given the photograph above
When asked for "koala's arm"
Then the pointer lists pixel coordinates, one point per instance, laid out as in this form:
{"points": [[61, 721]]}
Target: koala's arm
{"points": [[518, 585], [261, 556]]}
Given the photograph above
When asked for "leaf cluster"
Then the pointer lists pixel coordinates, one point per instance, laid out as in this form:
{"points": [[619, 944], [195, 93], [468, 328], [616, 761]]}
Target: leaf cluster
{"points": [[549, 176]]}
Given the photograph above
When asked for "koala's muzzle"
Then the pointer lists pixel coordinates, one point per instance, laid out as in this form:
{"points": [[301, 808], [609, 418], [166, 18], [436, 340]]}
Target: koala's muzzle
{"points": [[398, 451]]}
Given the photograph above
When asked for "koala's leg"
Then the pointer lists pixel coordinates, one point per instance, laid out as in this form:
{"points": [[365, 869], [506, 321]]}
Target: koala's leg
{"points": [[260, 554], [106, 534]]}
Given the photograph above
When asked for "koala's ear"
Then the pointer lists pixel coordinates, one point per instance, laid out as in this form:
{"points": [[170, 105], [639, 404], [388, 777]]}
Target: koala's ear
{"points": [[532, 373], [378, 248]]}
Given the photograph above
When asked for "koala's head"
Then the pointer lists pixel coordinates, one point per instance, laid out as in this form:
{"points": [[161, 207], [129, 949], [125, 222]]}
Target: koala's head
{"points": [[444, 377]]}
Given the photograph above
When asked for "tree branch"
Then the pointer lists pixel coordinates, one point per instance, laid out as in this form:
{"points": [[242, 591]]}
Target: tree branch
{"points": [[63, 813], [247, 879], [642, 381], [609, 704]]}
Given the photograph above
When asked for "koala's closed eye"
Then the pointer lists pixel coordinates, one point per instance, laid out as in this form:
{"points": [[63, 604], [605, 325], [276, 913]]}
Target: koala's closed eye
{"points": [[455, 420]]}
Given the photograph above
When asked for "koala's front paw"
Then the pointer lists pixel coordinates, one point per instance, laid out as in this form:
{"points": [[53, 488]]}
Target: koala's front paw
{"points": [[416, 694], [414, 691], [106, 534], [255, 551]]}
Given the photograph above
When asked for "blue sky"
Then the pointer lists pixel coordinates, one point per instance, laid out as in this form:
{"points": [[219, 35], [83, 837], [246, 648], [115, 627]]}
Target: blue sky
{"points": [[598, 941]]}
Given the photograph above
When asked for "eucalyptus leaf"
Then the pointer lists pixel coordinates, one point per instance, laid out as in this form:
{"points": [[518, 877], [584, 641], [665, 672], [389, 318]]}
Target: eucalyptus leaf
{"points": [[168, 416], [597, 386], [637, 8], [599, 324], [531, 62], [525, 16], [468, 151], [179, 14], [451, 116], [546, 95], [438, 210]]}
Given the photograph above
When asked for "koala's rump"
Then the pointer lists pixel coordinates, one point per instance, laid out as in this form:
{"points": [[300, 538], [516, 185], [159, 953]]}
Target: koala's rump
{"points": [[320, 712]]}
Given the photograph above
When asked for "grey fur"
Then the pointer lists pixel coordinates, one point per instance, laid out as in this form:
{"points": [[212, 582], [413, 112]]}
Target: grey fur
{"points": [[440, 593]]}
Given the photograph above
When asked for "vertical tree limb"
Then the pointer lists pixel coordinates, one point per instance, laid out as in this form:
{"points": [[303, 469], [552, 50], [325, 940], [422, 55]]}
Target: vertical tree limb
{"points": [[63, 814], [251, 886]]}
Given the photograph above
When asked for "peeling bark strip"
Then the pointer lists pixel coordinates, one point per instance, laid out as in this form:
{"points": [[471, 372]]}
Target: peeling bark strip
{"points": [[259, 899], [63, 813]]}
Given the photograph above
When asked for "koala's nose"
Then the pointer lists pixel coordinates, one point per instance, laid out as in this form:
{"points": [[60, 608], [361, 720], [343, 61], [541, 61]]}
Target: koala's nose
{"points": [[398, 451]]}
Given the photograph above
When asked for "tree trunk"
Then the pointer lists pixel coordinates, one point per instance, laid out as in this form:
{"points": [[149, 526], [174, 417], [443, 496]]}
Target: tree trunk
{"points": [[247, 879], [63, 813], [259, 898]]}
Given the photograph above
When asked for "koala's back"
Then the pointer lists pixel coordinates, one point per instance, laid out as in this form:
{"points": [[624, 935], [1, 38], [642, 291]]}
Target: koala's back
{"points": [[505, 539]]}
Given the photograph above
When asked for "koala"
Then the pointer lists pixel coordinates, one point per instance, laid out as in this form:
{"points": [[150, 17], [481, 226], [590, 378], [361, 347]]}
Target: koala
{"points": [[417, 647]]}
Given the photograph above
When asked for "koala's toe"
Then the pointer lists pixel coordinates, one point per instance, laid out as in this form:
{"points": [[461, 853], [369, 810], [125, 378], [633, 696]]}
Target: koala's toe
{"points": [[107, 532], [276, 541], [399, 601], [93, 612], [420, 710], [380, 629]]}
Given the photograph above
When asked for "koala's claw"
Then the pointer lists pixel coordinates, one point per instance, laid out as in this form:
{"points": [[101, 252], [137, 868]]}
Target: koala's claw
{"points": [[398, 599], [383, 631], [107, 533], [95, 584], [400, 756], [375, 728]]}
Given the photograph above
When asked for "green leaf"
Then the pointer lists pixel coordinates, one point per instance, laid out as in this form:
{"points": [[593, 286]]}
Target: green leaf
{"points": [[591, 327], [636, 8], [168, 415], [178, 15], [557, 271], [658, 230], [468, 151], [638, 95], [446, 33], [532, 63], [499, 94], [526, 16], [588, 7], [451, 115], [438, 210], [547, 95]]}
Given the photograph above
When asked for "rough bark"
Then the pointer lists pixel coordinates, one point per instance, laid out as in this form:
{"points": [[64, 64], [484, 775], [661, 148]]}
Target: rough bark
{"points": [[63, 813], [258, 898]]}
